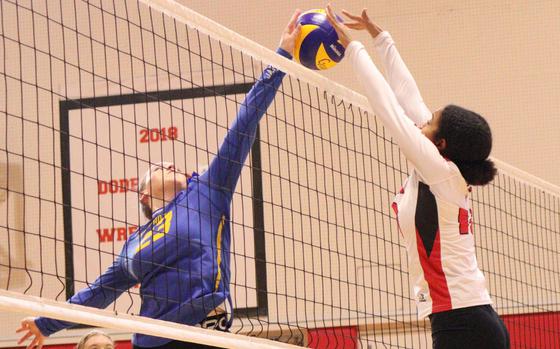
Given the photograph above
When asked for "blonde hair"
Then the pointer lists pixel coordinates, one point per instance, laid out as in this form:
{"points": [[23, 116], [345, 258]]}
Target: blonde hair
{"points": [[82, 343]]}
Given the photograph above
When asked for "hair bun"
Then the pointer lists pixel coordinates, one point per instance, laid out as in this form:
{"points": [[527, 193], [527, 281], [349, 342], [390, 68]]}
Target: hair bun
{"points": [[478, 172]]}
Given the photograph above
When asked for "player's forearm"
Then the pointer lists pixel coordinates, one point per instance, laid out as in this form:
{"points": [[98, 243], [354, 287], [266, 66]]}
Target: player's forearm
{"points": [[49, 326], [253, 108], [226, 167], [86, 297], [401, 80], [102, 292]]}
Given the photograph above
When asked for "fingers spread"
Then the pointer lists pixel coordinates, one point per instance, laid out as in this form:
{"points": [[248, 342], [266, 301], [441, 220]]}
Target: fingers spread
{"points": [[32, 344], [365, 15], [331, 17], [24, 338], [332, 21], [294, 34], [298, 29], [294, 18], [354, 25], [351, 16]]}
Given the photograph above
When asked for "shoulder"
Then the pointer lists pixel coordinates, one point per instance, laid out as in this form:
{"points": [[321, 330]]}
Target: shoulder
{"points": [[449, 173], [459, 181], [453, 188], [204, 188]]}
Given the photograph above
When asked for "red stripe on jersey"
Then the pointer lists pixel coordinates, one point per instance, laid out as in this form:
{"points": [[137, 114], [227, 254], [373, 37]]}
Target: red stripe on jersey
{"points": [[463, 221], [434, 275], [396, 209]]}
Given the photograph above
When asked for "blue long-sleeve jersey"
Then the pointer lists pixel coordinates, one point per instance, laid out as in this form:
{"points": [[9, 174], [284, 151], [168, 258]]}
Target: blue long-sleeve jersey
{"points": [[181, 258]]}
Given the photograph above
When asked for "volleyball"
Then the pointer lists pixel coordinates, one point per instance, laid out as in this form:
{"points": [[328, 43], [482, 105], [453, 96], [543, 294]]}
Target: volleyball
{"points": [[317, 45]]}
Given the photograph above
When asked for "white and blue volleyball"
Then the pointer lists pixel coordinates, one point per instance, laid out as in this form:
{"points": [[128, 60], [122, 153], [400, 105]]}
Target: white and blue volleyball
{"points": [[317, 46]]}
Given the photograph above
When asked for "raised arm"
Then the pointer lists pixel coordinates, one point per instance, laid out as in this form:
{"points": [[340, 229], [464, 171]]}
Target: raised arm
{"points": [[400, 79], [417, 148], [225, 169], [398, 76]]}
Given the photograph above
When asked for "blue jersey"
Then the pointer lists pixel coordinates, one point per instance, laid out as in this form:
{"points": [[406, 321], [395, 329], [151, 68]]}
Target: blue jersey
{"points": [[181, 258]]}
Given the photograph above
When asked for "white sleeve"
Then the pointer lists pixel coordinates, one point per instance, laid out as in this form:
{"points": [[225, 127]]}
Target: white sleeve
{"points": [[400, 79], [417, 148]]}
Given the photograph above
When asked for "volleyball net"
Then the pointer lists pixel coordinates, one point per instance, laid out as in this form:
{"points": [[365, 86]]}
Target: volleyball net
{"points": [[94, 92]]}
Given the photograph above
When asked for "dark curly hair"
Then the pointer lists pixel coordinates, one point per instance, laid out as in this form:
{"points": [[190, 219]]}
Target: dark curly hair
{"points": [[469, 142]]}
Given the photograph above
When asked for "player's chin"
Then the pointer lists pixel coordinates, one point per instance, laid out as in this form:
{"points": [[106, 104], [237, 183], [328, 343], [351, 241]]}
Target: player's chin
{"points": [[176, 183]]}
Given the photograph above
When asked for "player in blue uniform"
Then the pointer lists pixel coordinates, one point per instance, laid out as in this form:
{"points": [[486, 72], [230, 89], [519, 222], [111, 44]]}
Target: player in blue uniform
{"points": [[181, 257]]}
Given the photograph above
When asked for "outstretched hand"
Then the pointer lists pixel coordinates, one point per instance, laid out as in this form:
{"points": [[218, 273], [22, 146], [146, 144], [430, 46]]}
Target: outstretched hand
{"points": [[362, 22], [31, 330], [343, 35], [290, 34]]}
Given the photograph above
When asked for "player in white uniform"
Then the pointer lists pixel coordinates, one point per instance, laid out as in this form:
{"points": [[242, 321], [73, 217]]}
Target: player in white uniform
{"points": [[449, 151]]}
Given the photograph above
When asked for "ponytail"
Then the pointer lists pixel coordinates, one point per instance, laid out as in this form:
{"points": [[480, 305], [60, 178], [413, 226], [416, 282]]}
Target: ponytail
{"points": [[480, 172]]}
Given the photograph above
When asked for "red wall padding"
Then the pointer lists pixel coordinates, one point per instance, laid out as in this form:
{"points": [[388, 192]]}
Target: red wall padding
{"points": [[540, 330], [333, 338]]}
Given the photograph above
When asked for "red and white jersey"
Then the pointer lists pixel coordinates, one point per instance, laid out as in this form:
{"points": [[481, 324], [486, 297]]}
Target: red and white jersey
{"points": [[433, 209]]}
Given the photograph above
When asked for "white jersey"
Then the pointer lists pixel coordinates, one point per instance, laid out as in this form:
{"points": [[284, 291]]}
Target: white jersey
{"points": [[432, 208]]}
